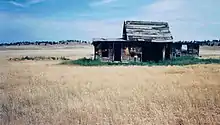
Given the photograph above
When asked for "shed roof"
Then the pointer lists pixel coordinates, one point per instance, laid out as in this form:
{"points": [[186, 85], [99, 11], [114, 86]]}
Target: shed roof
{"points": [[147, 31], [108, 39]]}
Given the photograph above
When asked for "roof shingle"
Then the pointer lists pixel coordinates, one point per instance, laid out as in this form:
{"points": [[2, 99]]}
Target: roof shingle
{"points": [[147, 30]]}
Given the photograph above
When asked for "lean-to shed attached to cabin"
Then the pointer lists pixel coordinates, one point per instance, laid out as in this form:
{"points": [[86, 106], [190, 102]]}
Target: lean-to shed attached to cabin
{"points": [[185, 49]]}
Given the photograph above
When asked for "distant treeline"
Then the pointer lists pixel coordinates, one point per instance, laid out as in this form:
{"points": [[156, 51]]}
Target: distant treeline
{"points": [[64, 42], [204, 43]]}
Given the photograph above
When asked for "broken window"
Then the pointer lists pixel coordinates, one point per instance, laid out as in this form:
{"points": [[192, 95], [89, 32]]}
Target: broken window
{"points": [[184, 48]]}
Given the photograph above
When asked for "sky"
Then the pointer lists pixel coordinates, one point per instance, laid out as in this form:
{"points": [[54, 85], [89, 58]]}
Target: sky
{"points": [[22, 20]]}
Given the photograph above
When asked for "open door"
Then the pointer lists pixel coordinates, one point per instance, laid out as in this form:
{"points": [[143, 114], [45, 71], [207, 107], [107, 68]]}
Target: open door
{"points": [[105, 50]]}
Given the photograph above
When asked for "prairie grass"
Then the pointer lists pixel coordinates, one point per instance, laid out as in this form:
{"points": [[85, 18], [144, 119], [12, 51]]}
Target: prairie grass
{"points": [[44, 94]]}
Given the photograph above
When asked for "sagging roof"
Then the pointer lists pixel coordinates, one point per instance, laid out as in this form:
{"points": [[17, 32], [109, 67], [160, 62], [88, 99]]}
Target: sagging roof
{"points": [[147, 31]]}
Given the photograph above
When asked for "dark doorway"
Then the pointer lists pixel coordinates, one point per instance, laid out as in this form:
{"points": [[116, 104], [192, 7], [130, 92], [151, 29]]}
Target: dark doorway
{"points": [[105, 53], [146, 53], [105, 50], [168, 52], [152, 52], [117, 52]]}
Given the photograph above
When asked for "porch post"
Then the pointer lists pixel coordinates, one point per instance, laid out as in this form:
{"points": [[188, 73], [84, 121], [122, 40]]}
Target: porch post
{"points": [[164, 52], [94, 52], [113, 52]]}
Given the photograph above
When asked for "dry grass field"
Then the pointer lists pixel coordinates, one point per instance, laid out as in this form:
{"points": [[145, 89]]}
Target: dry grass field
{"points": [[44, 93]]}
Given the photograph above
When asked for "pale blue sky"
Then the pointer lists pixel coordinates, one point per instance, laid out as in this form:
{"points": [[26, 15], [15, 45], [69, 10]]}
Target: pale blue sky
{"points": [[86, 19]]}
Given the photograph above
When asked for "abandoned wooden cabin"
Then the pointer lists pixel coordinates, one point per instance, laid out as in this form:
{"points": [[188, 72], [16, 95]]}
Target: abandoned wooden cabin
{"points": [[185, 49], [141, 41]]}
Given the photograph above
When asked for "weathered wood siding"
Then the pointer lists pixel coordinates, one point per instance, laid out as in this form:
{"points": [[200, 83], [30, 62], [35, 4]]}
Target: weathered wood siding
{"points": [[191, 50]]}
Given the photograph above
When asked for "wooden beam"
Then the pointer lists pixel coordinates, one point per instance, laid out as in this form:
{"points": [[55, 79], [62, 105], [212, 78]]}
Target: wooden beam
{"points": [[164, 52], [113, 52], [94, 52]]}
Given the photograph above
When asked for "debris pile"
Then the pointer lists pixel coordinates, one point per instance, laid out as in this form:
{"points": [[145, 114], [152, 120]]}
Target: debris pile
{"points": [[37, 58]]}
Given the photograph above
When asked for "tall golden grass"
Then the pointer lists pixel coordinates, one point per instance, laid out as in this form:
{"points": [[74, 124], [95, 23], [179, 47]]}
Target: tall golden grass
{"points": [[41, 93]]}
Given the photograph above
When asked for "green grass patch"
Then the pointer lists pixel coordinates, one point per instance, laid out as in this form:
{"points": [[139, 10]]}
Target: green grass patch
{"points": [[180, 61]]}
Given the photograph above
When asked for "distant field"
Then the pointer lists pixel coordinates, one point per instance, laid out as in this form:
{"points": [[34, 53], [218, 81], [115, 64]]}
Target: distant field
{"points": [[76, 51], [216, 48], [42, 47], [208, 51], [44, 93]]}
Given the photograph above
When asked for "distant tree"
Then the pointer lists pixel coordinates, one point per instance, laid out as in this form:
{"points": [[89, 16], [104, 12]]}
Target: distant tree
{"points": [[214, 40], [53, 42], [208, 41]]}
